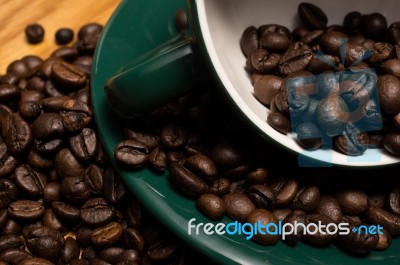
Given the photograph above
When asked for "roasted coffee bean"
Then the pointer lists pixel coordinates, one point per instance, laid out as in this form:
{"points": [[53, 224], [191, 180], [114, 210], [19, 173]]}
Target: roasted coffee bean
{"points": [[29, 180], [332, 41], [48, 126], [202, 166], [131, 153], [150, 140], [50, 220], [36, 83], [44, 69], [389, 221], [161, 248], [10, 241], [265, 217], [19, 68], [174, 136], [134, 214], [307, 199], [264, 29], [14, 256], [68, 54], [352, 142], [285, 189], [354, 52], [312, 37], [84, 145], [211, 206], [64, 36], [312, 16], [76, 115], [96, 212], [94, 179], [359, 243], [83, 236], [264, 62], [384, 240], [377, 199], [8, 192], [70, 250], [394, 33], [3, 218], [309, 136], [68, 75], [106, 235], [74, 190], [249, 40], [274, 41], [392, 67], [226, 155], [9, 93], [186, 181], [48, 148], [25, 210], [318, 237], [352, 202], [45, 243], [266, 87], [294, 217], [238, 206], [157, 159], [294, 60], [257, 176], [352, 22], [31, 95], [11, 227], [133, 240], [318, 66], [393, 202], [333, 115], [219, 186], [381, 53], [391, 142], [52, 89], [329, 207], [30, 110], [88, 35], [35, 261], [281, 213], [111, 254], [67, 165], [374, 26], [114, 187], [279, 122], [32, 61], [65, 212], [38, 161], [7, 162], [34, 33], [19, 136], [262, 196]]}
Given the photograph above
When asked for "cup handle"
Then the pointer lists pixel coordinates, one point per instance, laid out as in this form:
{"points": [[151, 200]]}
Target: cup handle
{"points": [[160, 76]]}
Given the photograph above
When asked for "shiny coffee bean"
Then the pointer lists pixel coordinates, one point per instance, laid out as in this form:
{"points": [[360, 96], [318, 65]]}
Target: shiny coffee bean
{"points": [[131, 153], [174, 136], [94, 179], [88, 37], [377, 199], [19, 136], [226, 155], [11, 227], [219, 186], [45, 243], [319, 238], [8, 192], [48, 126], [64, 36], [76, 115], [309, 136], [352, 22], [265, 217], [257, 176], [106, 235], [74, 190], [68, 54], [384, 218], [263, 62], [186, 181], [393, 202], [307, 199], [381, 53], [202, 166], [83, 236], [262, 196], [352, 141], [29, 180], [9, 93], [333, 115], [297, 216], [294, 60], [358, 243], [68, 75], [279, 122], [7, 162], [274, 42], [10, 241], [238, 206], [249, 40], [14, 256], [157, 159], [30, 110], [352, 202], [180, 20], [65, 212], [35, 261], [332, 41], [394, 33], [266, 87], [50, 220], [392, 67], [330, 207], [26, 210], [34, 33], [70, 250], [211, 206], [285, 189], [263, 29], [133, 239], [391, 142], [384, 241], [67, 165], [151, 140], [96, 212], [312, 16], [111, 254], [374, 26], [84, 145], [114, 188], [48, 148]]}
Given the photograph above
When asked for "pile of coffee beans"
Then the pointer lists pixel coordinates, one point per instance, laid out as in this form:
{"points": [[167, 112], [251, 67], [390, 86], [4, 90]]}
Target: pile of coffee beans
{"points": [[61, 202], [310, 91]]}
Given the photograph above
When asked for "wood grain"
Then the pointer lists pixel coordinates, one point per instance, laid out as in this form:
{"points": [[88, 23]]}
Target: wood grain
{"points": [[15, 15]]}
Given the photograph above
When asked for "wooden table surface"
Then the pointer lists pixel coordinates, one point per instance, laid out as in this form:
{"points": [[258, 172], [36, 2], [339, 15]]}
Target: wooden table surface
{"points": [[15, 15]]}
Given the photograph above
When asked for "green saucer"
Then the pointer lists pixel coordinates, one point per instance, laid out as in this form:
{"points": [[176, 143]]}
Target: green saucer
{"points": [[135, 28]]}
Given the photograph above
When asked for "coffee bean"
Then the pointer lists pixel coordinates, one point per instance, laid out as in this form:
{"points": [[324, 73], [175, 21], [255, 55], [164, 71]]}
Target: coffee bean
{"points": [[186, 181], [65, 212], [114, 187], [150, 140], [10, 241], [8, 192], [11, 227], [384, 241], [307, 199], [29, 180], [68, 54], [279, 122], [88, 36], [107, 235], [68, 75], [332, 114], [38, 161], [257, 176], [249, 40], [226, 155], [9, 93], [14, 256], [389, 221], [202, 166], [354, 52], [264, 62], [7, 162], [161, 248], [111, 254], [84, 145], [48, 126], [50, 220], [70, 250], [67, 165], [374, 26], [332, 41], [133, 240], [157, 159], [352, 202], [391, 142], [317, 237], [262, 196], [352, 141], [358, 243], [52, 89], [281, 213], [96, 212], [45, 243], [174, 136], [352, 22], [312, 37], [317, 66], [238, 206], [76, 115], [381, 53], [266, 87], [274, 42], [219, 186], [64, 36], [389, 89], [19, 68], [83, 236], [134, 213], [264, 29], [34, 33], [35, 261], [30, 110], [32, 61], [211, 206], [84, 93], [394, 33], [285, 189], [393, 202], [94, 179], [25, 210], [48, 148], [312, 16], [265, 217], [309, 136], [74, 190], [294, 60], [131, 153], [329, 207], [19, 136], [392, 67], [294, 217]]}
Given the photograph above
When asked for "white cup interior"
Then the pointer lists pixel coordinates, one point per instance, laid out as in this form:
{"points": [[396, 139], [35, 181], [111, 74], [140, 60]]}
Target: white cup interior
{"points": [[222, 23]]}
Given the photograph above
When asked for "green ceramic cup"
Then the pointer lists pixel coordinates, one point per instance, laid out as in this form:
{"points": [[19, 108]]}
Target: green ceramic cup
{"points": [[210, 48]]}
